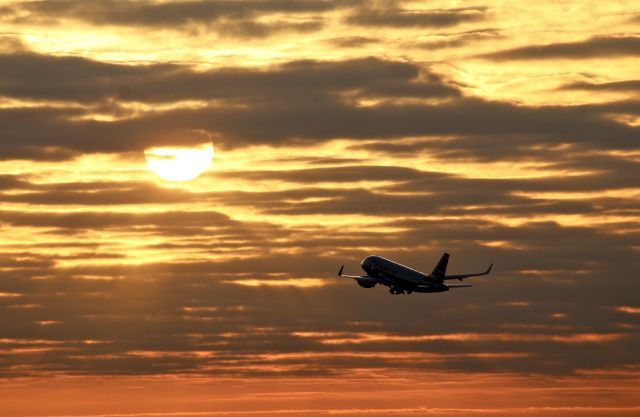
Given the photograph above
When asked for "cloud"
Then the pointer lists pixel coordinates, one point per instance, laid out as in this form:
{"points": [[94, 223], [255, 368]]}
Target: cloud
{"points": [[510, 129], [104, 220], [349, 173], [458, 40], [597, 47], [228, 18], [85, 81], [306, 101], [173, 13], [184, 396], [364, 202], [352, 41], [153, 317], [622, 86], [396, 17], [628, 309], [9, 182], [338, 338], [598, 173], [11, 43], [68, 78], [235, 19], [148, 314]]}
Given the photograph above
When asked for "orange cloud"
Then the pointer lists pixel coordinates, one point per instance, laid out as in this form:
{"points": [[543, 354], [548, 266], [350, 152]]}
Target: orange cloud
{"points": [[374, 392], [292, 282], [339, 338], [628, 309]]}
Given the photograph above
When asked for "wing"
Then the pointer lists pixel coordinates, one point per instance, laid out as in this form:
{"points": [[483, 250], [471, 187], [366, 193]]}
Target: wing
{"points": [[366, 277], [463, 276]]}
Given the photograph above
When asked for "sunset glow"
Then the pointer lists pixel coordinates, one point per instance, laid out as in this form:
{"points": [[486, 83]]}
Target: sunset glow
{"points": [[179, 164], [142, 275]]}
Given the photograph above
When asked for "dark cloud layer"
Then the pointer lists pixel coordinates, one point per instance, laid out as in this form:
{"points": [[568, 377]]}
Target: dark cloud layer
{"points": [[236, 18], [227, 18], [82, 80], [605, 46], [621, 86], [352, 41], [298, 101], [173, 13], [402, 18]]}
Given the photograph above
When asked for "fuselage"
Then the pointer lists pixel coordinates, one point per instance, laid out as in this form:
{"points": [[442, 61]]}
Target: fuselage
{"points": [[395, 275]]}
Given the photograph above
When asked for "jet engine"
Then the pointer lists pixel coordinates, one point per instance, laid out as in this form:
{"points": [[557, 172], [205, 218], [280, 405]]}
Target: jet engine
{"points": [[365, 283]]}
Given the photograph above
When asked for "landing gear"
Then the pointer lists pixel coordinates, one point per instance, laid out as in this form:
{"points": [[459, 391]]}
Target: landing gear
{"points": [[395, 291]]}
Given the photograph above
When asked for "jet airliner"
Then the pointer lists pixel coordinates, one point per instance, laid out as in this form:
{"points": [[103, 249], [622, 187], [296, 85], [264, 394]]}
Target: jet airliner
{"points": [[404, 280]]}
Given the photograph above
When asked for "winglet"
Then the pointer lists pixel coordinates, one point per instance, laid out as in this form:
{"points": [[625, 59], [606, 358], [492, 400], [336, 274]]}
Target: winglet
{"points": [[340, 271], [489, 269]]}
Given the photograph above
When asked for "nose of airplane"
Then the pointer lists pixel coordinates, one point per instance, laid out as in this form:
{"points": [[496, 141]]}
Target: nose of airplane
{"points": [[368, 261]]}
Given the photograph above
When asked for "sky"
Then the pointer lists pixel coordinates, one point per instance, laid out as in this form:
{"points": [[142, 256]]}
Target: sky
{"points": [[498, 131]]}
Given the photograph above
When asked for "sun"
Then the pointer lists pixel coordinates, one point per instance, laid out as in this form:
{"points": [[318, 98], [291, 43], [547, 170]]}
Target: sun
{"points": [[179, 163]]}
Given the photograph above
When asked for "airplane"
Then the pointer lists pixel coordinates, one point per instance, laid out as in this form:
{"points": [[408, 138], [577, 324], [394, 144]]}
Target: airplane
{"points": [[404, 280]]}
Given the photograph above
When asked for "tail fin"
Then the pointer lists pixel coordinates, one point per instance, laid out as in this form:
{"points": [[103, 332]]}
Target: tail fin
{"points": [[441, 269]]}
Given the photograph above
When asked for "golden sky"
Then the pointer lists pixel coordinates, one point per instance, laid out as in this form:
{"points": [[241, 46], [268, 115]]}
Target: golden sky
{"points": [[502, 131]]}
